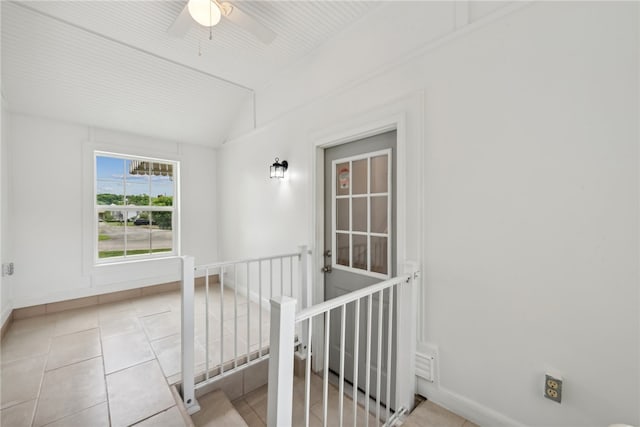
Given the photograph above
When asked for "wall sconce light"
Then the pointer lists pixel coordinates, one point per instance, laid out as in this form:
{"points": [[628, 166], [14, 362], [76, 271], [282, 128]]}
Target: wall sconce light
{"points": [[277, 169]]}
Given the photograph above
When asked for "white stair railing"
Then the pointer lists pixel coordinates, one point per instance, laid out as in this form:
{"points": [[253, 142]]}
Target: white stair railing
{"points": [[399, 376], [237, 292]]}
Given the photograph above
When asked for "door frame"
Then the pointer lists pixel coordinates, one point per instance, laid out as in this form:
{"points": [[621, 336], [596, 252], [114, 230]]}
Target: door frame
{"points": [[349, 132]]}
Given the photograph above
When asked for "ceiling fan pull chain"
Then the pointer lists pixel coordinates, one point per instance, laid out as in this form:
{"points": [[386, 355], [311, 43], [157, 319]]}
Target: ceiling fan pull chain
{"points": [[210, 21]]}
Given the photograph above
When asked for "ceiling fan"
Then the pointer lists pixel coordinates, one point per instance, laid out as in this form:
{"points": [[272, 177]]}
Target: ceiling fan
{"points": [[208, 13]]}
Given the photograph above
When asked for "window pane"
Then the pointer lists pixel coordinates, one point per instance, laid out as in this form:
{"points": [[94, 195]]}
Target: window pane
{"points": [[342, 249], [137, 193], [109, 168], [110, 236], [379, 254], [139, 234], [137, 179], [162, 184], [161, 232], [379, 174], [342, 214], [342, 179], [360, 177], [359, 214], [109, 192], [360, 252], [379, 222]]}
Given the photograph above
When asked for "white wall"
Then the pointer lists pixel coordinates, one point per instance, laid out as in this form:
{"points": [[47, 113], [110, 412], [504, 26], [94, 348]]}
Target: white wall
{"points": [[530, 199], [5, 249], [50, 210]]}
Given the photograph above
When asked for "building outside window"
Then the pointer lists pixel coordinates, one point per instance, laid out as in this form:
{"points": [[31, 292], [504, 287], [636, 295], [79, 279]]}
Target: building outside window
{"points": [[135, 207]]}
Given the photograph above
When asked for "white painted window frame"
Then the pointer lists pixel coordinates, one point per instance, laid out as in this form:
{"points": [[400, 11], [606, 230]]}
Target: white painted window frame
{"points": [[367, 195], [174, 209]]}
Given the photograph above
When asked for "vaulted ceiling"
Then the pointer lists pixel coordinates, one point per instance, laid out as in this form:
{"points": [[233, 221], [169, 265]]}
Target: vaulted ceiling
{"points": [[112, 64]]}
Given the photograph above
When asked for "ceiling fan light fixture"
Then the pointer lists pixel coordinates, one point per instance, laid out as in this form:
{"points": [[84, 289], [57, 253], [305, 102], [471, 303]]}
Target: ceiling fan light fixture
{"points": [[204, 12]]}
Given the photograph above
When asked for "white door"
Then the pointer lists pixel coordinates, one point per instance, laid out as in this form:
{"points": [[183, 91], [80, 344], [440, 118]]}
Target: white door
{"points": [[360, 247]]}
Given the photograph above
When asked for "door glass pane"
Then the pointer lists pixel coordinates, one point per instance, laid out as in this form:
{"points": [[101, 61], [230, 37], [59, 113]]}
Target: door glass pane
{"points": [[110, 235], [379, 220], [379, 254], [342, 214], [161, 232], [342, 249], [360, 252], [359, 177], [343, 179], [359, 214], [139, 234], [379, 174]]}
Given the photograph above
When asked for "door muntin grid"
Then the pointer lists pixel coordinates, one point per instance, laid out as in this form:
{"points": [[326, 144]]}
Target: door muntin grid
{"points": [[361, 214]]}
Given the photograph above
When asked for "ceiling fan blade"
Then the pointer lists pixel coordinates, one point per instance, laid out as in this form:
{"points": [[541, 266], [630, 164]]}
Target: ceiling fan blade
{"points": [[182, 24], [248, 23]]}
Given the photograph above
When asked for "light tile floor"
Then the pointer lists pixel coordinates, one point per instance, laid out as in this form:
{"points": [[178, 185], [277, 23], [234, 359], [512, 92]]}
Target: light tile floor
{"points": [[253, 409], [112, 364]]}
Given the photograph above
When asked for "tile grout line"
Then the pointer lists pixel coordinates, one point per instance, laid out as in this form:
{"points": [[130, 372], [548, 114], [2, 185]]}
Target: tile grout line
{"points": [[104, 372], [44, 370]]}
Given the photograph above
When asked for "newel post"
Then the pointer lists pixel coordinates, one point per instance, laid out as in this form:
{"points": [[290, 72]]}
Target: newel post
{"points": [[188, 335], [305, 296], [406, 341], [281, 340]]}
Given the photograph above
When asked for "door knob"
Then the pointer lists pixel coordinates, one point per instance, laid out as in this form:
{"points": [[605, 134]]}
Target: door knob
{"points": [[327, 253], [326, 269]]}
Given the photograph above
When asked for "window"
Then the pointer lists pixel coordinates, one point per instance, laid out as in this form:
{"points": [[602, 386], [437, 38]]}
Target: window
{"points": [[135, 207], [361, 207]]}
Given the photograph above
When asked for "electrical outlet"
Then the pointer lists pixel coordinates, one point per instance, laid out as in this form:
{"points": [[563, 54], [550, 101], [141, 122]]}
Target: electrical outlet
{"points": [[553, 388]]}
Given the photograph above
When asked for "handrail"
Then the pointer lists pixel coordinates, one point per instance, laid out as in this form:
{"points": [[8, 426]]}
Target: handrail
{"points": [[241, 261], [350, 297]]}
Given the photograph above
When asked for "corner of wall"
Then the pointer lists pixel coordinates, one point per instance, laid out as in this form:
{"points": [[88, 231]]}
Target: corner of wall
{"points": [[6, 305]]}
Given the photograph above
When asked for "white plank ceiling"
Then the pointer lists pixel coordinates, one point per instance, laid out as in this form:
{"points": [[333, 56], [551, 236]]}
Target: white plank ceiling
{"points": [[112, 64]]}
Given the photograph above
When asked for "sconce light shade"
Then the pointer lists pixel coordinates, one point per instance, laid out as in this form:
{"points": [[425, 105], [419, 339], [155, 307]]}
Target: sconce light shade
{"points": [[277, 168]]}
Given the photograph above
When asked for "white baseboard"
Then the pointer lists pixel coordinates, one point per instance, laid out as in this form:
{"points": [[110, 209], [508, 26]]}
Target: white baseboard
{"points": [[90, 291], [465, 407], [253, 296]]}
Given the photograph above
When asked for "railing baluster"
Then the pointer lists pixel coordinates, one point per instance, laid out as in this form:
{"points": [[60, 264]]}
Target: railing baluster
{"points": [[368, 361], [221, 320], [248, 312], [356, 355], [379, 354], [270, 278], [235, 315], [343, 323], [325, 379], [260, 309], [307, 381], [206, 321], [291, 275], [389, 352]]}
